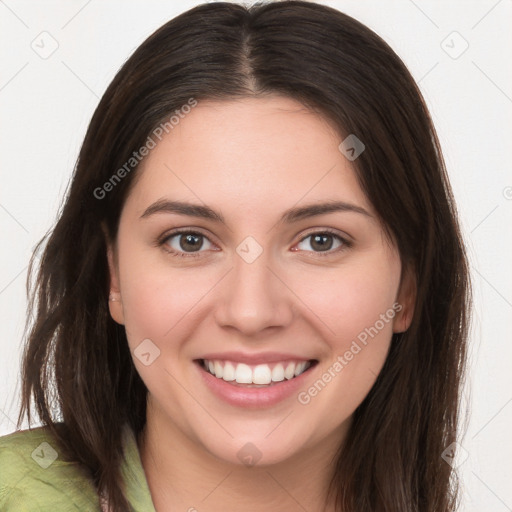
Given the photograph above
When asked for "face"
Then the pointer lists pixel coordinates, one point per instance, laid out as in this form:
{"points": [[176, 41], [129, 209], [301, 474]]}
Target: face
{"points": [[255, 274]]}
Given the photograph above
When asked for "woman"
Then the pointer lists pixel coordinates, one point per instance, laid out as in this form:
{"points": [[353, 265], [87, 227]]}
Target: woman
{"points": [[256, 295]]}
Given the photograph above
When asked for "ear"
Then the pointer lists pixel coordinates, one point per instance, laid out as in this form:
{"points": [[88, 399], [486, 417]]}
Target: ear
{"points": [[115, 303], [405, 301]]}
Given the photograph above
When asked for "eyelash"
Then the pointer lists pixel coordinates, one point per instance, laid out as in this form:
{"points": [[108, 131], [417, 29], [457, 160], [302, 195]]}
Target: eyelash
{"points": [[346, 244]]}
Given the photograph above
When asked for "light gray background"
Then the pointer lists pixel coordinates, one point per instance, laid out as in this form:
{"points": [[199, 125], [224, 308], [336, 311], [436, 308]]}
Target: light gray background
{"points": [[46, 104]]}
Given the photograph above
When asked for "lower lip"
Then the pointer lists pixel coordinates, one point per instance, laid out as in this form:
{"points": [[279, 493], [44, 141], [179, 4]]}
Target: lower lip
{"points": [[253, 397]]}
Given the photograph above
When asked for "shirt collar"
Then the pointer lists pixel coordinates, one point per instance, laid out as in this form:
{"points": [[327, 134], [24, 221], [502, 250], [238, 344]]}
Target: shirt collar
{"points": [[136, 485]]}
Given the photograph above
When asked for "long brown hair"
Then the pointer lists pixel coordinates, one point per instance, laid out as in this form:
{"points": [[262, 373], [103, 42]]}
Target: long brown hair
{"points": [[76, 359]]}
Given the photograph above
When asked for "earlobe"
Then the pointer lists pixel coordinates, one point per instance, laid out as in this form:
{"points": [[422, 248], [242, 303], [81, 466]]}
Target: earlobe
{"points": [[115, 304], [405, 301]]}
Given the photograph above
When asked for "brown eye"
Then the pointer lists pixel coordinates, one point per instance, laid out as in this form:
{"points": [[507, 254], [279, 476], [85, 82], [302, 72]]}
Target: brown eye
{"points": [[322, 241], [187, 242]]}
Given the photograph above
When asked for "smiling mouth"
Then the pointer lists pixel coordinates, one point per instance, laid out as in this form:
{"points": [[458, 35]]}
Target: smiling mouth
{"points": [[255, 376]]}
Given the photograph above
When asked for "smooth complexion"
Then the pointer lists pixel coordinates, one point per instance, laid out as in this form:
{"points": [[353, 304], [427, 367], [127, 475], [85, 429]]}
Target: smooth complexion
{"points": [[250, 161]]}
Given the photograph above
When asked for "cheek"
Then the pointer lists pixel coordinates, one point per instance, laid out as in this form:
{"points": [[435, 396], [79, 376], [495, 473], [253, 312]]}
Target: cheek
{"points": [[352, 298], [355, 310], [162, 306], [159, 299]]}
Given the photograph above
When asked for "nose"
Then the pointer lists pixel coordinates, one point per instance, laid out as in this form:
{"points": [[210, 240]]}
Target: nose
{"points": [[253, 298]]}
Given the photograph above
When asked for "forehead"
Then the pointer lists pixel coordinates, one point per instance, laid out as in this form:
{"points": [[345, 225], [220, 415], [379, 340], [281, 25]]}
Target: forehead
{"points": [[253, 153]]}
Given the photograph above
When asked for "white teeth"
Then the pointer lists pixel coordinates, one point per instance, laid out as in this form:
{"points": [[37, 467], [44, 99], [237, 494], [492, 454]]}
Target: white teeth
{"points": [[219, 369], [228, 372], [300, 368], [289, 373], [278, 373], [243, 374], [260, 374]]}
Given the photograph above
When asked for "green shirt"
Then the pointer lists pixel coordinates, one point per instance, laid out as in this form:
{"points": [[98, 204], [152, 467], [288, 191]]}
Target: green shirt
{"points": [[33, 478]]}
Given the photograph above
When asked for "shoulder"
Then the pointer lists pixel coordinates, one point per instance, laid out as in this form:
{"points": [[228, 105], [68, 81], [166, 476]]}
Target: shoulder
{"points": [[33, 477]]}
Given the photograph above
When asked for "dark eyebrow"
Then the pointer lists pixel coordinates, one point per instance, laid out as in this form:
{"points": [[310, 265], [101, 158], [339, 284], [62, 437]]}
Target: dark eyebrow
{"points": [[291, 215]]}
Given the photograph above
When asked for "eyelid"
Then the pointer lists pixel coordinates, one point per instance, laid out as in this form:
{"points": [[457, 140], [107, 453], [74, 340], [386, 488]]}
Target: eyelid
{"points": [[346, 241], [189, 230], [331, 231]]}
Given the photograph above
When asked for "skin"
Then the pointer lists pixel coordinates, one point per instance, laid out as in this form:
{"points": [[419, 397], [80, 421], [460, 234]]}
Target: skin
{"points": [[250, 160]]}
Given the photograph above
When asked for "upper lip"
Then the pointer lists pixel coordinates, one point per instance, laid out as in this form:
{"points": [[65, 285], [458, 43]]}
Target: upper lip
{"points": [[252, 359]]}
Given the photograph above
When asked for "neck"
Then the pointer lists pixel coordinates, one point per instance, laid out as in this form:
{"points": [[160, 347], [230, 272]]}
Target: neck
{"points": [[183, 475]]}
